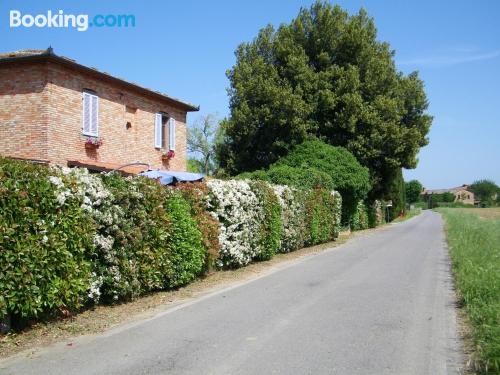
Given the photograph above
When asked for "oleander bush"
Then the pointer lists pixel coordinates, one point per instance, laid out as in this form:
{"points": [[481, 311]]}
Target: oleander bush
{"points": [[360, 218], [71, 239], [293, 212], [258, 219], [271, 227]]}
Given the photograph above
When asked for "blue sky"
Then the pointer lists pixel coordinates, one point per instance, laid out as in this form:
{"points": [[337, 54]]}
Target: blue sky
{"points": [[183, 48]]}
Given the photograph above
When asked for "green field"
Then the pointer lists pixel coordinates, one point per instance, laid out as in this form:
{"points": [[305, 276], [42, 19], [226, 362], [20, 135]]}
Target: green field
{"points": [[474, 243]]}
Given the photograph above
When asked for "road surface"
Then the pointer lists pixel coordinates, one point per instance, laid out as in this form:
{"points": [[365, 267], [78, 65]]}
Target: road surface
{"points": [[380, 304]]}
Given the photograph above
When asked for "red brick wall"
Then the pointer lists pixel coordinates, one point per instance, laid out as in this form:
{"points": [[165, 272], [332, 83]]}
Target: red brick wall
{"points": [[23, 111], [53, 117]]}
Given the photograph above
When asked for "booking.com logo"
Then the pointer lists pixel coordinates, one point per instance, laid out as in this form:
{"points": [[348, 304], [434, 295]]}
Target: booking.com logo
{"points": [[80, 22]]}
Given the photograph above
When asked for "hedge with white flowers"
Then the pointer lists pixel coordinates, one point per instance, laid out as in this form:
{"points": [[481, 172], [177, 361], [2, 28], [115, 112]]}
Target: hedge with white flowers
{"points": [[303, 217], [72, 239]]}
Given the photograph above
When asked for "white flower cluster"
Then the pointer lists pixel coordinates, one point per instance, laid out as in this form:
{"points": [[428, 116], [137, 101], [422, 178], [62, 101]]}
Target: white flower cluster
{"points": [[95, 288], [240, 214], [237, 208], [292, 215], [97, 201]]}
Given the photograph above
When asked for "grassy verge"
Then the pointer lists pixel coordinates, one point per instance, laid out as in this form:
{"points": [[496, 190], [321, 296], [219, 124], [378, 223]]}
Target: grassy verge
{"points": [[409, 214], [474, 244]]}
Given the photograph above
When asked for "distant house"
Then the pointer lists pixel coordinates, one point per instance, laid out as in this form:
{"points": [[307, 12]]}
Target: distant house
{"points": [[55, 110], [461, 193]]}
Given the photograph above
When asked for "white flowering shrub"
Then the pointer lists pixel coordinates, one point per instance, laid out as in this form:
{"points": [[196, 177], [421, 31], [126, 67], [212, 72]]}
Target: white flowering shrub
{"points": [[293, 208], [70, 237], [237, 208], [301, 217], [145, 238], [359, 219]]}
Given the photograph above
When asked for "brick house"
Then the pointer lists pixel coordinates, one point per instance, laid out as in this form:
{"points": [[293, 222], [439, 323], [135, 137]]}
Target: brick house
{"points": [[54, 110], [461, 193]]}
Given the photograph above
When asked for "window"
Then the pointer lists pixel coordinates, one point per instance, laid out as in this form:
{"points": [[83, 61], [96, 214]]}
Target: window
{"points": [[90, 118], [164, 131]]}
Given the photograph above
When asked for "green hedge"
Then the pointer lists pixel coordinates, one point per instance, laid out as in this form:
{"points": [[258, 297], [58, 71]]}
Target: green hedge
{"points": [[70, 238], [45, 249]]}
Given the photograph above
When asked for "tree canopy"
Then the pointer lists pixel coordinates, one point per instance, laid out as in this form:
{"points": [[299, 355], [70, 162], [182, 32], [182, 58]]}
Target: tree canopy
{"points": [[202, 138], [413, 191], [486, 191], [317, 163], [326, 75]]}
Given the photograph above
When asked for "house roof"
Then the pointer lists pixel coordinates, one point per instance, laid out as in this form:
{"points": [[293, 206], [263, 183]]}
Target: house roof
{"points": [[49, 55], [441, 191]]}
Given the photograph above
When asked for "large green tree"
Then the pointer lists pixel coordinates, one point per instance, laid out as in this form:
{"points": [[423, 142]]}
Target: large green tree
{"points": [[486, 191], [324, 74], [413, 191]]}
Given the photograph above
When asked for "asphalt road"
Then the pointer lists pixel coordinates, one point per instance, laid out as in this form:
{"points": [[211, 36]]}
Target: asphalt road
{"points": [[380, 304]]}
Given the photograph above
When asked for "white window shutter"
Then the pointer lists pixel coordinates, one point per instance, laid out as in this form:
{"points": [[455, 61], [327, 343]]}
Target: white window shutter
{"points": [[158, 130], [86, 113], [94, 123], [90, 120], [171, 132]]}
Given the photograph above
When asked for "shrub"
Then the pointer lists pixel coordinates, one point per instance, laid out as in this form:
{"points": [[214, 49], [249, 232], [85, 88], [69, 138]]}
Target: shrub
{"points": [[303, 178], [133, 256], [187, 254], [45, 246], [322, 217], [376, 214], [195, 193], [257, 219], [359, 220], [271, 225], [293, 211], [236, 207], [70, 238], [315, 164]]}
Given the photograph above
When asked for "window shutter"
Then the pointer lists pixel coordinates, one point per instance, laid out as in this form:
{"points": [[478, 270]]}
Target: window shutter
{"points": [[94, 123], [171, 132], [86, 113], [158, 130], [90, 120]]}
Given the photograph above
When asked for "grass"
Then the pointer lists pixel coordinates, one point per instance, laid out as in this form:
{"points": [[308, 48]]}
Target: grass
{"points": [[408, 215], [474, 244]]}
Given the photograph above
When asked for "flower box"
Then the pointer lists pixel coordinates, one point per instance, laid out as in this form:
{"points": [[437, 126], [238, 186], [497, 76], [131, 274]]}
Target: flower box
{"points": [[93, 143], [168, 155]]}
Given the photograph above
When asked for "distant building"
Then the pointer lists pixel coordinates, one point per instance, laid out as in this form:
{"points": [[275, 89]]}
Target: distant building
{"points": [[461, 193]]}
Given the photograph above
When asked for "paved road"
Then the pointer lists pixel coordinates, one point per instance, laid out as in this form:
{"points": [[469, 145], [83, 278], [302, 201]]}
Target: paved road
{"points": [[380, 304]]}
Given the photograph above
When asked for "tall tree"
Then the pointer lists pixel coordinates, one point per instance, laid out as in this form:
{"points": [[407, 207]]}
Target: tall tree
{"points": [[325, 75], [201, 140]]}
